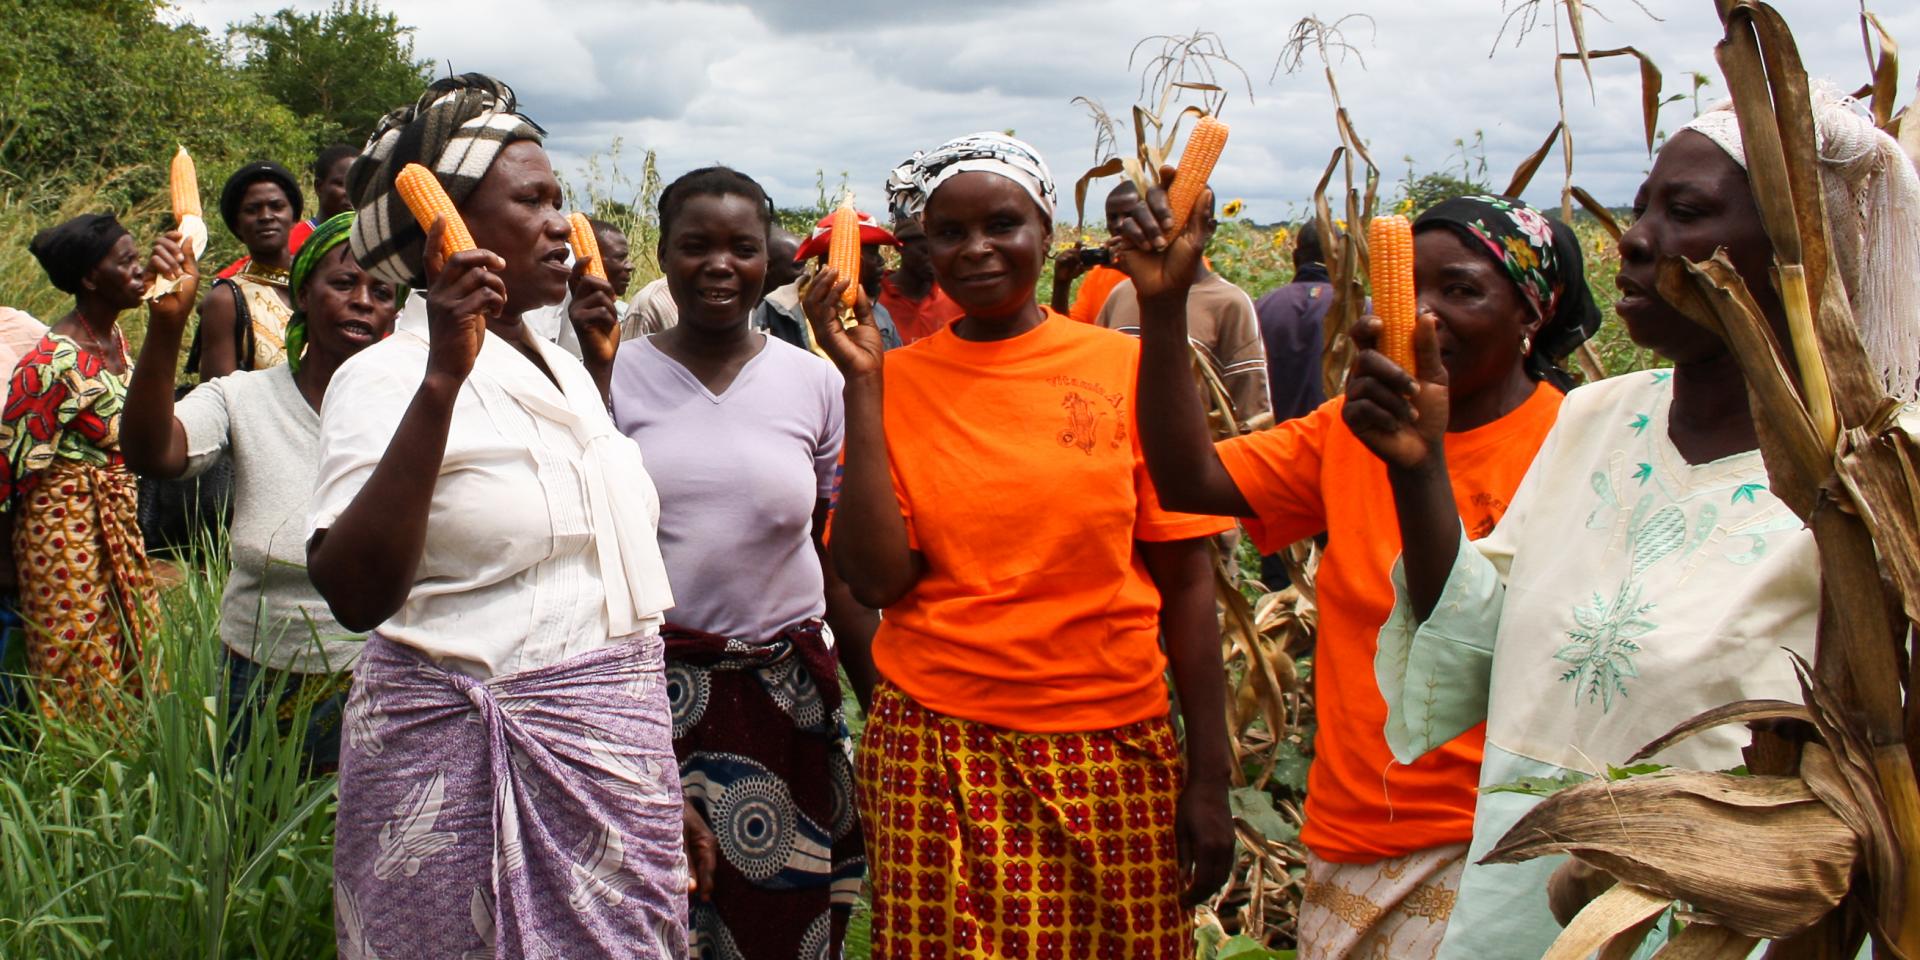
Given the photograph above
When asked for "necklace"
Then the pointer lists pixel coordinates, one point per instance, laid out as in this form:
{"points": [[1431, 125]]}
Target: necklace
{"points": [[264, 273], [114, 347]]}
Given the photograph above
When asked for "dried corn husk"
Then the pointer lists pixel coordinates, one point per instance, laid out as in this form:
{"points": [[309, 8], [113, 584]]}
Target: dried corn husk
{"points": [[1760, 855], [1705, 941], [1611, 916]]}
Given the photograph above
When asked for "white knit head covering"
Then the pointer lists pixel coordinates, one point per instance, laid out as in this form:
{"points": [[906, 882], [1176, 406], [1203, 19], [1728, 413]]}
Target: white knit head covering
{"points": [[914, 181], [1873, 219]]}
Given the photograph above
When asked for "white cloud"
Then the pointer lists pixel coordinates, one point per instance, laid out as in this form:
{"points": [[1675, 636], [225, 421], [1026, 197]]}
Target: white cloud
{"points": [[786, 88]]}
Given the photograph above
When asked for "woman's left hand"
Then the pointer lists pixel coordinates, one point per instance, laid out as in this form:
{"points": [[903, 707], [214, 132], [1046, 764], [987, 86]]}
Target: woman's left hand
{"points": [[703, 851], [595, 319], [1203, 831]]}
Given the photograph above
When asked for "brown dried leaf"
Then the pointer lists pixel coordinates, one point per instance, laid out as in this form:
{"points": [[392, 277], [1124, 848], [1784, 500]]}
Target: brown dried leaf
{"points": [[1886, 67], [1523, 174], [1706, 941], [1760, 855], [1651, 83], [1740, 711], [1611, 916], [1599, 211], [1113, 166]]}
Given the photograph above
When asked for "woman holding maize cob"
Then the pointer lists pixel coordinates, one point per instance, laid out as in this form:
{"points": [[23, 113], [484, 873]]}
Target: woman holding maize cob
{"points": [[1508, 289], [243, 320], [752, 668], [86, 592], [1644, 572], [1020, 782], [272, 620], [507, 783]]}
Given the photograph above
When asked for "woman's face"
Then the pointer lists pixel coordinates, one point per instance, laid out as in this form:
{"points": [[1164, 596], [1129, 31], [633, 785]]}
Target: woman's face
{"points": [[514, 211], [715, 259], [264, 220], [348, 309], [1482, 313], [332, 189], [987, 239], [1695, 200], [119, 279]]}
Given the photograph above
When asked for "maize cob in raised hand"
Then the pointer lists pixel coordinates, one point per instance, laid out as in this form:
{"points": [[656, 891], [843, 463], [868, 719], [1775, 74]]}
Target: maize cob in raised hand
{"points": [[1204, 144], [585, 245], [1390, 265], [184, 185], [843, 249], [422, 192]]}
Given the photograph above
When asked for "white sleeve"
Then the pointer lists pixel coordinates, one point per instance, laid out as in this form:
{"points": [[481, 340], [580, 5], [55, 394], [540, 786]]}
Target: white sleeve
{"points": [[363, 407], [203, 416]]}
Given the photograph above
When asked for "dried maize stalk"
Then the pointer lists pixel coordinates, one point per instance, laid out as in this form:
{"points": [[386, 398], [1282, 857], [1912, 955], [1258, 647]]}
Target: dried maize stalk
{"points": [[1203, 149], [422, 192], [843, 249], [586, 246], [1390, 259]]}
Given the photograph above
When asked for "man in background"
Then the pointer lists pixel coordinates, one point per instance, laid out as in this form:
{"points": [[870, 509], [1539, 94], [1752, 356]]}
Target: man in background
{"points": [[917, 304], [1220, 324], [1292, 327]]}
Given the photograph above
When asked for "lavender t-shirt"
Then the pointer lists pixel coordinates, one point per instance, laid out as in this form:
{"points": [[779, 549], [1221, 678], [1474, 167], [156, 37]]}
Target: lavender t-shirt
{"points": [[739, 474]]}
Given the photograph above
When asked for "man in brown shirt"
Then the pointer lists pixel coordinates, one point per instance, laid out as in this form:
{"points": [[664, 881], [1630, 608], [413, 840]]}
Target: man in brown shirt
{"points": [[1221, 322]]}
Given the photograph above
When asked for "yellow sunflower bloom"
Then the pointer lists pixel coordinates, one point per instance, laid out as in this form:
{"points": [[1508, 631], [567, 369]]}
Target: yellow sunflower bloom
{"points": [[1232, 209]]}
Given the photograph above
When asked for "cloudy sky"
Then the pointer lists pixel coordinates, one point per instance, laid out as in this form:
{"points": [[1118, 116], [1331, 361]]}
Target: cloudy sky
{"points": [[785, 89]]}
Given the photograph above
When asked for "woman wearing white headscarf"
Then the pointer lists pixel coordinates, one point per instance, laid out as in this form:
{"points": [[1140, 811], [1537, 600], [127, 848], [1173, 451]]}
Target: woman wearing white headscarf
{"points": [[1020, 782], [1644, 571]]}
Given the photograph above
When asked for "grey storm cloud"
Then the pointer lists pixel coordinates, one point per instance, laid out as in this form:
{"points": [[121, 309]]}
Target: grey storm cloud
{"points": [[793, 92]]}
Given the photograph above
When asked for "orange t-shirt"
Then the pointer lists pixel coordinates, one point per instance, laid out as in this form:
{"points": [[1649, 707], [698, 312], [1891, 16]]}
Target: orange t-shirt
{"points": [[1094, 288], [1361, 805], [918, 319], [1018, 470]]}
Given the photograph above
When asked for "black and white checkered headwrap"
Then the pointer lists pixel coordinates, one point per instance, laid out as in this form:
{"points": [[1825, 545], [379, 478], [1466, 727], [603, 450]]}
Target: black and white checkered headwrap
{"points": [[455, 129]]}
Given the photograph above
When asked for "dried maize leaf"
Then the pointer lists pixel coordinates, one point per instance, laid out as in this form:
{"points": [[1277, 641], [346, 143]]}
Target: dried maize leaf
{"points": [[1886, 66], [1523, 174], [1740, 711], [1760, 855], [1609, 917], [1112, 166], [1705, 941]]}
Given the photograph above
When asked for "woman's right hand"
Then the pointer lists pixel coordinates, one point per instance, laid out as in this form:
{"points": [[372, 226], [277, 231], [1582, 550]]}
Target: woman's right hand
{"points": [[857, 350], [464, 291], [1402, 418], [169, 312]]}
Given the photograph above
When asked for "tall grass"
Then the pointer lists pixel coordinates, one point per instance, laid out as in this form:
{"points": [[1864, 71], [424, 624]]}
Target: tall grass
{"points": [[172, 836]]}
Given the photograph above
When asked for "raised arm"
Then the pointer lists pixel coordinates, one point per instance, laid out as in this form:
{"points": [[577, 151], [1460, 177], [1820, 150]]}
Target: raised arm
{"points": [[597, 325], [365, 561], [1186, 470], [871, 550], [1067, 267], [1403, 420], [154, 443]]}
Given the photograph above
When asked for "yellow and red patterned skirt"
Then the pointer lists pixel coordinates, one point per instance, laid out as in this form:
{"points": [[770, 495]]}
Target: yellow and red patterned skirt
{"points": [[86, 590], [988, 842]]}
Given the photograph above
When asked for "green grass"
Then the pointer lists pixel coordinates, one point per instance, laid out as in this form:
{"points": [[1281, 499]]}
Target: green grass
{"points": [[149, 841]]}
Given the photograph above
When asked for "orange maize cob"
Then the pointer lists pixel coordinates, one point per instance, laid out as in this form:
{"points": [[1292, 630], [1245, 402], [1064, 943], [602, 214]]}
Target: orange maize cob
{"points": [[186, 187], [843, 250], [1204, 144], [427, 199], [586, 246], [1390, 263]]}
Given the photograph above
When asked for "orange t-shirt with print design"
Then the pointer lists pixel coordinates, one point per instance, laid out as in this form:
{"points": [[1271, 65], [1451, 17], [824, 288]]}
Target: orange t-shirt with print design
{"points": [[1018, 469], [1309, 476]]}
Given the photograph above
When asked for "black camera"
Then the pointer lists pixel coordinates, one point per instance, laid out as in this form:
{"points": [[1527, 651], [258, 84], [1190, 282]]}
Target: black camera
{"points": [[1095, 257]]}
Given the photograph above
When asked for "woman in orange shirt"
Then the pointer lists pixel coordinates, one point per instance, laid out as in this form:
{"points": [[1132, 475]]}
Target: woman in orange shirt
{"points": [[1386, 842], [1021, 786]]}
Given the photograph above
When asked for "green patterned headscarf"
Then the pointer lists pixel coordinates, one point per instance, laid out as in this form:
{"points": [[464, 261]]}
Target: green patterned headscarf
{"points": [[319, 243]]}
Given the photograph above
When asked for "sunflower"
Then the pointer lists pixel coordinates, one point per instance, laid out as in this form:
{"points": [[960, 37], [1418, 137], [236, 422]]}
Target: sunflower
{"points": [[1232, 209]]}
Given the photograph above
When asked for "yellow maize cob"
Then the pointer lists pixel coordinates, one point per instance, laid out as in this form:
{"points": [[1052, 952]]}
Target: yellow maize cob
{"points": [[186, 187], [427, 199], [1204, 144], [586, 246], [1390, 264], [843, 250]]}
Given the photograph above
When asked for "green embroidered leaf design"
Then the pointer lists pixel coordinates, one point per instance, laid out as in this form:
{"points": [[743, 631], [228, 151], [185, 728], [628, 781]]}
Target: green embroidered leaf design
{"points": [[1639, 424], [1602, 648], [1662, 376], [1746, 491], [1643, 473]]}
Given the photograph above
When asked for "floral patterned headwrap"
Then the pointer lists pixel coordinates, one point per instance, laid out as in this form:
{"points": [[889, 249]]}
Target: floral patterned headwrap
{"points": [[1542, 258]]}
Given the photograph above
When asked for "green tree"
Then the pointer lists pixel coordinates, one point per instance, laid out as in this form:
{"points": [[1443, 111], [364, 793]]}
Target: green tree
{"points": [[340, 70], [98, 95], [1423, 191]]}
